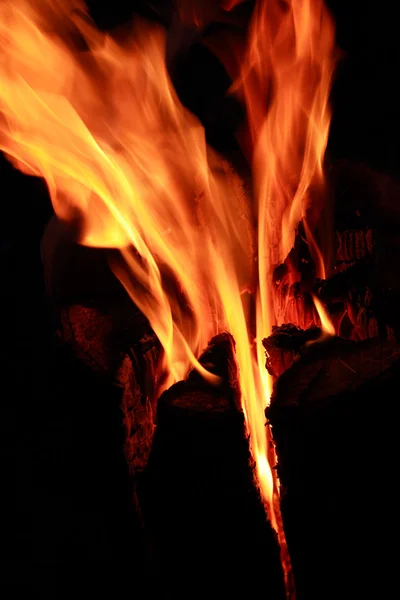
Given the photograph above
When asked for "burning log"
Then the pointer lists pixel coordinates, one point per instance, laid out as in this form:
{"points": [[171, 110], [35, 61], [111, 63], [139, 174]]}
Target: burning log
{"points": [[204, 514], [327, 367], [284, 344], [333, 421], [359, 302], [362, 292], [105, 332], [111, 357]]}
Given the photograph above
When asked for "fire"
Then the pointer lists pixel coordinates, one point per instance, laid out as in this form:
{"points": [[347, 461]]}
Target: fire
{"points": [[99, 120], [326, 323]]}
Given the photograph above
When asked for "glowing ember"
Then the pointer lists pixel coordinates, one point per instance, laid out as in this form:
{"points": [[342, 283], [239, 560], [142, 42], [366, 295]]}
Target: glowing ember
{"points": [[99, 120]]}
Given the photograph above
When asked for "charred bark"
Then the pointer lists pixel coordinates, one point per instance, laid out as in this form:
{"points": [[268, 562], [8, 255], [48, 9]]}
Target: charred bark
{"points": [[284, 345]]}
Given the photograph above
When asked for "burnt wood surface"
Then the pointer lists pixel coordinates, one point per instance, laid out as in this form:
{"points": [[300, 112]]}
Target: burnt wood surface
{"points": [[333, 416], [284, 345], [362, 290], [209, 533]]}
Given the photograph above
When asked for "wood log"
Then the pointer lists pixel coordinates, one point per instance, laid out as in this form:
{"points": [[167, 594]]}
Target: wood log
{"points": [[117, 346], [209, 532], [333, 421], [84, 524], [102, 327], [295, 305], [362, 290], [333, 365], [347, 290], [354, 244], [284, 344], [352, 292], [358, 301]]}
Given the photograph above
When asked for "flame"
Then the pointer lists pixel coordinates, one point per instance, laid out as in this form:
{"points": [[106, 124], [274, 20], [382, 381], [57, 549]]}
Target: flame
{"points": [[285, 80], [98, 118], [326, 323]]}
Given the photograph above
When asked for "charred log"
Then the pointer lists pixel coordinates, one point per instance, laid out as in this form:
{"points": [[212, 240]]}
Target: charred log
{"points": [[110, 357], [204, 514], [284, 344], [333, 422], [103, 329], [362, 290], [82, 528], [360, 301]]}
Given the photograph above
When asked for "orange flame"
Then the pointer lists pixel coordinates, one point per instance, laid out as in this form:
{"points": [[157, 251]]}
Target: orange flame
{"points": [[100, 121], [285, 82]]}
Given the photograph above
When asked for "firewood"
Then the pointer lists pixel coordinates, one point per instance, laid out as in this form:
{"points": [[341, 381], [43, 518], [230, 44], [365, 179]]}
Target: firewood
{"points": [[334, 421], [121, 351], [342, 281], [102, 335], [357, 296], [200, 504], [137, 404], [82, 476], [99, 324], [284, 345], [330, 366], [295, 305], [361, 290]]}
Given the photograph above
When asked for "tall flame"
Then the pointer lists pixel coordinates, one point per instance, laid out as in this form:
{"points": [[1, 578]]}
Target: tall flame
{"points": [[100, 121], [285, 83]]}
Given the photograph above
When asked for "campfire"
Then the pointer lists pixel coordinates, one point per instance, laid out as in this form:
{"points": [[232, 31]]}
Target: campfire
{"points": [[232, 299]]}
